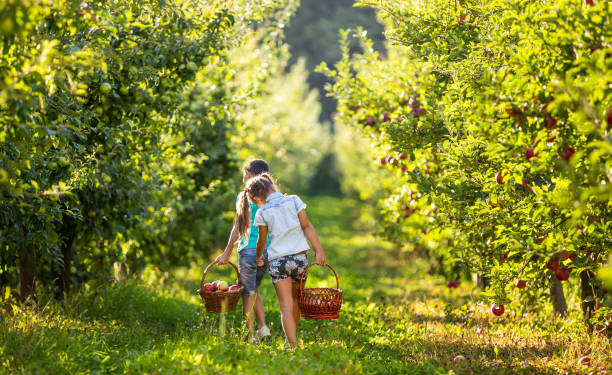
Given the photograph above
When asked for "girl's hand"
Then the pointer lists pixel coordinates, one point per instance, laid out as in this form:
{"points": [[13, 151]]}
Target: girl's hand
{"points": [[223, 258], [321, 258], [260, 261]]}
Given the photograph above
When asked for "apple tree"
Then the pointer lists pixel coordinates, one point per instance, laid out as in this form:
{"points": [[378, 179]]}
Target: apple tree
{"points": [[497, 115], [96, 140]]}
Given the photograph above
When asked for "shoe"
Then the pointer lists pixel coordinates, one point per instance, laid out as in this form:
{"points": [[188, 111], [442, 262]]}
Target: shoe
{"points": [[262, 333]]}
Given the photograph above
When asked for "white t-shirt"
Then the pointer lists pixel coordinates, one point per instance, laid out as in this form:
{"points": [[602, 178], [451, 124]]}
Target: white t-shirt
{"points": [[280, 215]]}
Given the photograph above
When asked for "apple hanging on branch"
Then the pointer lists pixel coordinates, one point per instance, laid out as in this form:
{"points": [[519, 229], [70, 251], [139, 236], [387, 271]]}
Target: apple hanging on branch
{"points": [[497, 309], [552, 264], [562, 274]]}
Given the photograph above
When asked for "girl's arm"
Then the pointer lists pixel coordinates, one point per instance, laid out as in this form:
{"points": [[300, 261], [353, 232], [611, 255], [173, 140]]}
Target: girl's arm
{"points": [[223, 258], [311, 235], [262, 240]]}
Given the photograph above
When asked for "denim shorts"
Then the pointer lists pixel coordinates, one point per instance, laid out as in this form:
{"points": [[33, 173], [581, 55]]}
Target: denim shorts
{"points": [[288, 266], [250, 274]]}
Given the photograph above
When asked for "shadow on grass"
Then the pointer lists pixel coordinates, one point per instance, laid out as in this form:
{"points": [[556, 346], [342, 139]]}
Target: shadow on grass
{"points": [[96, 330]]}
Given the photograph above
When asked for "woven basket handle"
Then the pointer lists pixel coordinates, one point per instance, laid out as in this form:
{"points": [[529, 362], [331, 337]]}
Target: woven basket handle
{"points": [[213, 264], [306, 271]]}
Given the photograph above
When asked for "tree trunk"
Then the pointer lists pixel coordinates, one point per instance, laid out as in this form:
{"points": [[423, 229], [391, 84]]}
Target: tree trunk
{"points": [[558, 297], [590, 294], [27, 271], [480, 281], [67, 233], [121, 271]]}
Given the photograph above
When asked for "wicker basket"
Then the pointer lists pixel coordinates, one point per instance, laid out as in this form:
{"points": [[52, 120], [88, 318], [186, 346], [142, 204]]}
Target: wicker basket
{"points": [[217, 301], [320, 303]]}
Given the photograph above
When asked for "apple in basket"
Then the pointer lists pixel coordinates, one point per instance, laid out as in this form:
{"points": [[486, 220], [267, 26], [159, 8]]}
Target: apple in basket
{"points": [[234, 287], [222, 286], [209, 287]]}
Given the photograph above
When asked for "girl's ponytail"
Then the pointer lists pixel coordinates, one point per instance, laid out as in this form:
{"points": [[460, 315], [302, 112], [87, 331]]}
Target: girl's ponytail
{"points": [[268, 177], [243, 215]]}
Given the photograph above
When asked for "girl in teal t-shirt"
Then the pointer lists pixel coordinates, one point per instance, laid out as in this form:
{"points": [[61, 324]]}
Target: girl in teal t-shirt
{"points": [[251, 274]]}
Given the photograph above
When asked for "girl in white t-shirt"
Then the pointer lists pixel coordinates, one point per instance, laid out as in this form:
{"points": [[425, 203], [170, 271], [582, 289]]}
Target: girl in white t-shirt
{"points": [[283, 217]]}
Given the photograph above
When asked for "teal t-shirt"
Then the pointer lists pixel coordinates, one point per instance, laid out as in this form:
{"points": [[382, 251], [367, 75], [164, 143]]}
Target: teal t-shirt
{"points": [[253, 233]]}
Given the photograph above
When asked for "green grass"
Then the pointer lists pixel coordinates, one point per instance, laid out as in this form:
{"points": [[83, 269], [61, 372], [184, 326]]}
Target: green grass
{"points": [[395, 320]]}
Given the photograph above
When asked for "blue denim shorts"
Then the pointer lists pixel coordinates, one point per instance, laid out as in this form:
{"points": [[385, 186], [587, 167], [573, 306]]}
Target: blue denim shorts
{"points": [[250, 274]]}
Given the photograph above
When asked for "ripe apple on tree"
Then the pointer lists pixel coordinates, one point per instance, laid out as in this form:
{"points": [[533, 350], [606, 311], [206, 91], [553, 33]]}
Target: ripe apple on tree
{"points": [[497, 309], [499, 177], [552, 264], [563, 274], [567, 154]]}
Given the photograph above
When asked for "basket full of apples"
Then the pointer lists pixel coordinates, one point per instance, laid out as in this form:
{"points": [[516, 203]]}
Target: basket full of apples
{"points": [[219, 296]]}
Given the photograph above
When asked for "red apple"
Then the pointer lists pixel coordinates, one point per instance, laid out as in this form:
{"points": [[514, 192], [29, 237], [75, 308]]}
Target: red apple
{"points": [[462, 19], [370, 121], [234, 287], [572, 257], [513, 112], [590, 2], [452, 284], [567, 154], [563, 274], [609, 117], [386, 117], [209, 287], [565, 255], [403, 156], [497, 309], [418, 111], [530, 153], [499, 177], [551, 122], [584, 360], [504, 256], [521, 284], [404, 168], [552, 264], [222, 286], [383, 161]]}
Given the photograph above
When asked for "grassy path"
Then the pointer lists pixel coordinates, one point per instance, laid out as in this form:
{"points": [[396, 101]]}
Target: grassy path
{"points": [[396, 320]]}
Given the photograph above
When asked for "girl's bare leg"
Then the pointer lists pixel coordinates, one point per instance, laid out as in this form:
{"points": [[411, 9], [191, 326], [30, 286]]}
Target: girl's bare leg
{"points": [[284, 291], [260, 313], [247, 312]]}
